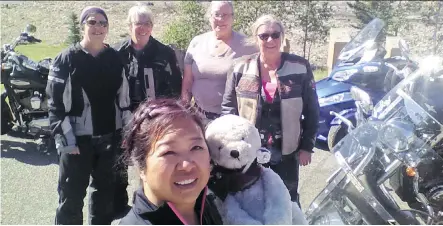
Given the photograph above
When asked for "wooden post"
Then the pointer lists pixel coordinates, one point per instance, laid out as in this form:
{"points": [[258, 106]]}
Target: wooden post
{"points": [[338, 38], [286, 46], [392, 48]]}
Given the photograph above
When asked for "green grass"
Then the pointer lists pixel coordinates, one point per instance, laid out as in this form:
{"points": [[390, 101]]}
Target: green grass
{"points": [[320, 74], [40, 51]]}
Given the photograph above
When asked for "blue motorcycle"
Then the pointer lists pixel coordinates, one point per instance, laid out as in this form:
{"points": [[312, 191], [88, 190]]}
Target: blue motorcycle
{"points": [[361, 63]]}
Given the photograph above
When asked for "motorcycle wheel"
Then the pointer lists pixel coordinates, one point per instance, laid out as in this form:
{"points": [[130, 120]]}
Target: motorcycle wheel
{"points": [[6, 121], [336, 133]]}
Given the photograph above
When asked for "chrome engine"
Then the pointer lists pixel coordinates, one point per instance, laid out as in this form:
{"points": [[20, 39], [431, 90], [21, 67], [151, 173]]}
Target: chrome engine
{"points": [[33, 100]]}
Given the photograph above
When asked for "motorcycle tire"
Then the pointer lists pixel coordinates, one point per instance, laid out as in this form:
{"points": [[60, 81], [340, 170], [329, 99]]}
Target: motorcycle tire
{"points": [[336, 133], [6, 121]]}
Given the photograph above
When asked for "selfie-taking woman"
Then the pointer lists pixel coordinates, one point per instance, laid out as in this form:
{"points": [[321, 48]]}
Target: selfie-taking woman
{"points": [[165, 142]]}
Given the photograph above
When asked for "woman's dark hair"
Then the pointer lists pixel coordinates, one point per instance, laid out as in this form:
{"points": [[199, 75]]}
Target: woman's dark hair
{"points": [[149, 123]]}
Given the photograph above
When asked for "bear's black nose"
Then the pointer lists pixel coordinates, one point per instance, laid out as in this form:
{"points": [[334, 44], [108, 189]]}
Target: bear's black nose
{"points": [[235, 154]]}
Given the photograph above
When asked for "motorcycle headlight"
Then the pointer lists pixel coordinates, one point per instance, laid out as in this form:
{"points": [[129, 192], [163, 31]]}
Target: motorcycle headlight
{"points": [[369, 69], [6, 66], [341, 97], [398, 135], [344, 75]]}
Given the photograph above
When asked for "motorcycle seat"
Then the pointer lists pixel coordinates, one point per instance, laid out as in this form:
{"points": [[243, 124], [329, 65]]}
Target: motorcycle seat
{"points": [[43, 65]]}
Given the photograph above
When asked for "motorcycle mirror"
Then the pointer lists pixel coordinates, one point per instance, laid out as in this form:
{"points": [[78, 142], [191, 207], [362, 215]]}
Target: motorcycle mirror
{"points": [[364, 98], [30, 28]]}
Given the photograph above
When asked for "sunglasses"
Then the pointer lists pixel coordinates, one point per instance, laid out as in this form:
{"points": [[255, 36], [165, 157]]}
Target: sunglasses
{"points": [[265, 36], [102, 23]]}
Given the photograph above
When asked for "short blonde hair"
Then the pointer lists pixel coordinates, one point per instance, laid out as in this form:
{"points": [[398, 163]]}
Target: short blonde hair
{"points": [[209, 9], [266, 20], [140, 10]]}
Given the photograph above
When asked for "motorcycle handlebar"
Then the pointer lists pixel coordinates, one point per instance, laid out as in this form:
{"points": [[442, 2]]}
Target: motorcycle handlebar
{"points": [[392, 66], [32, 39]]}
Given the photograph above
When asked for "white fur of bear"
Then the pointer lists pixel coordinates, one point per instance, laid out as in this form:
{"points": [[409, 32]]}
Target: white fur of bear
{"points": [[233, 143]]}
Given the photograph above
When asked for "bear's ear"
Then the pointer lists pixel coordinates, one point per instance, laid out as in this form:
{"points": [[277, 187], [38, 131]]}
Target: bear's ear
{"points": [[263, 156]]}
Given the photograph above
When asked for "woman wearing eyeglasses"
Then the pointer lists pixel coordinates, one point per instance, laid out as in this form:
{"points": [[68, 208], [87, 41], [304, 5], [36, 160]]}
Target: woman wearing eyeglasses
{"points": [[88, 103], [276, 91], [209, 57], [152, 72]]}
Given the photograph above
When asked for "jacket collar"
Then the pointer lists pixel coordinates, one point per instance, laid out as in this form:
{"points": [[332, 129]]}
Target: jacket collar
{"points": [[79, 47], [145, 208], [127, 44]]}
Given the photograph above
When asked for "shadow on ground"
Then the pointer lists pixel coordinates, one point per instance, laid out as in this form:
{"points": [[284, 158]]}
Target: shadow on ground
{"points": [[28, 151]]}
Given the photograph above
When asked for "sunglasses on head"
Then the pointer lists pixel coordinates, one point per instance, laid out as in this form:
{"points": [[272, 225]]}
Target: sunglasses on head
{"points": [[265, 36], [102, 23]]}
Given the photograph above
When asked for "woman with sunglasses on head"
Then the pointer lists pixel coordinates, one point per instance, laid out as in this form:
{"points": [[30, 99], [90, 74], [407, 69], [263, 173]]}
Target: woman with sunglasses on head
{"points": [[209, 57], [152, 72], [88, 104], [166, 144], [276, 91]]}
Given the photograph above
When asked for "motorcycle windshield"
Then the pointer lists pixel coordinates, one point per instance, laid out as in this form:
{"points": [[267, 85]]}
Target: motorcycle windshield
{"points": [[362, 47], [407, 124]]}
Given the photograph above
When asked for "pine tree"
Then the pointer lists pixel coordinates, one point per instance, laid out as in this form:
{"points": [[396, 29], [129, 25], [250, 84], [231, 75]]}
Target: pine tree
{"points": [[74, 29], [393, 13], [189, 23]]}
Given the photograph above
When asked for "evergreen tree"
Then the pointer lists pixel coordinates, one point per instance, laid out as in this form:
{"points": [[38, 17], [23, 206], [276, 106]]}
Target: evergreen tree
{"points": [[74, 29], [189, 23]]}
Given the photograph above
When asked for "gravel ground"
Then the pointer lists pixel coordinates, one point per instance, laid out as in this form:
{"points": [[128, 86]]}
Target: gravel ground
{"points": [[29, 182]]}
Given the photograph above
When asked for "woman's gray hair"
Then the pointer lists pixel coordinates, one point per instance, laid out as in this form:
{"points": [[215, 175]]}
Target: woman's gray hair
{"points": [[140, 10], [266, 20], [209, 9]]}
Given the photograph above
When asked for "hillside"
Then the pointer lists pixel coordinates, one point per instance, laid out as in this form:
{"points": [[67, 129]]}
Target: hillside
{"points": [[50, 18]]}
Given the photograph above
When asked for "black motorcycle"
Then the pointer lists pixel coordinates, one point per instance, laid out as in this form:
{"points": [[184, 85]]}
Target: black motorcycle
{"points": [[390, 167], [24, 81]]}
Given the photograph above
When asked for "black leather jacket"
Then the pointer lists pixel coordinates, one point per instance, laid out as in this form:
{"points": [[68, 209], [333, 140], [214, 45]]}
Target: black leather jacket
{"points": [[152, 72], [143, 212]]}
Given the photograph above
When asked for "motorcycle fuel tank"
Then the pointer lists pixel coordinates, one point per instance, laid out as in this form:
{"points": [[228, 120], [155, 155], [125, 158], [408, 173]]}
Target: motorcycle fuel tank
{"points": [[27, 80]]}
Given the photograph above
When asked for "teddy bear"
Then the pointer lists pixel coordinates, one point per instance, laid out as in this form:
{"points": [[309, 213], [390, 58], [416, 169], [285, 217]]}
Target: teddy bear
{"points": [[245, 191]]}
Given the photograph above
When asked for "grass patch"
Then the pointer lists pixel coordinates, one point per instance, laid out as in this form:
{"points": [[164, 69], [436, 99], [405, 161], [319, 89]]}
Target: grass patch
{"points": [[40, 51], [320, 74]]}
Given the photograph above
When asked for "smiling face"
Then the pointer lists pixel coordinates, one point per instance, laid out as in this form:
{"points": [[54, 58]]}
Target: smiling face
{"points": [[141, 29], [178, 167], [269, 38], [96, 28], [221, 17]]}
